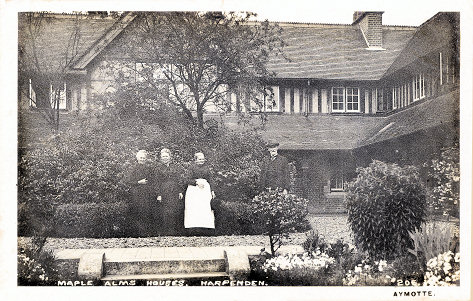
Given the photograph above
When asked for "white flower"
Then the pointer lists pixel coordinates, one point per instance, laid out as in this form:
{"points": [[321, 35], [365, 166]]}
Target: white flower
{"points": [[457, 257], [358, 269]]}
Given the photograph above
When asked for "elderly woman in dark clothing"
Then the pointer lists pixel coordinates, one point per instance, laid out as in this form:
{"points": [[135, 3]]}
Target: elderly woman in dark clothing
{"points": [[142, 181], [170, 195], [198, 215]]}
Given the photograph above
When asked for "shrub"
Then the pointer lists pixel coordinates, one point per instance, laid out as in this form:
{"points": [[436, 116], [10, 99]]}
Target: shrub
{"points": [[236, 218], [432, 239], [36, 267], [92, 220], [445, 172], [384, 203], [407, 270], [314, 242], [280, 214]]}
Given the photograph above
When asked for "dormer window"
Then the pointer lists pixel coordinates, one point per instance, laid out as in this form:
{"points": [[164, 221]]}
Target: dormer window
{"points": [[345, 99]]}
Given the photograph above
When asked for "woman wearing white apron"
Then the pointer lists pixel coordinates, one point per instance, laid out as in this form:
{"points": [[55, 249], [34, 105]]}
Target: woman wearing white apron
{"points": [[198, 215]]}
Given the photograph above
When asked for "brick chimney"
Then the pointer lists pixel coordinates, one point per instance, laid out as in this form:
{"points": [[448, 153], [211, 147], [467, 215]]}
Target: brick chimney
{"points": [[371, 25]]}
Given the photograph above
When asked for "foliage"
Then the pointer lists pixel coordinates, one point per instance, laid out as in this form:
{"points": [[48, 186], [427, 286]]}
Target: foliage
{"points": [[234, 218], [36, 267], [314, 242], [443, 270], [99, 220], [195, 58], [280, 213], [384, 203], [407, 270], [294, 269], [432, 239], [445, 172], [86, 165]]}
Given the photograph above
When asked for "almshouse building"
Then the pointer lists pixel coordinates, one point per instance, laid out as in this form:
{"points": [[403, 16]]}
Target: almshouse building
{"points": [[347, 95]]}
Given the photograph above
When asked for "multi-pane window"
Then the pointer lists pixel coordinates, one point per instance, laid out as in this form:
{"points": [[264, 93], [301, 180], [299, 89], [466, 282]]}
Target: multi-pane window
{"points": [[338, 96], [418, 87], [353, 100], [345, 99], [337, 183]]}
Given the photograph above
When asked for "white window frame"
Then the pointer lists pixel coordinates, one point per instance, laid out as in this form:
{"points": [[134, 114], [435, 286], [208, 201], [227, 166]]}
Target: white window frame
{"points": [[394, 98], [418, 86], [352, 102], [338, 98], [337, 186], [344, 101]]}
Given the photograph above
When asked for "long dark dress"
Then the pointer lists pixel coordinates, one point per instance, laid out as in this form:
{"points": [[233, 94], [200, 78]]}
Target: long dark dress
{"points": [[142, 207], [172, 208]]}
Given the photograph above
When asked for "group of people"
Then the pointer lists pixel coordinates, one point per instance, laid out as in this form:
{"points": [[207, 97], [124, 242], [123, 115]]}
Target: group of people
{"points": [[158, 204], [166, 200]]}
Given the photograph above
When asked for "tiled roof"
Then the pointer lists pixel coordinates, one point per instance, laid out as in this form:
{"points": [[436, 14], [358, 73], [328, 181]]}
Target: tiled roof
{"points": [[439, 31], [338, 132], [297, 132], [55, 39], [336, 52], [442, 110]]}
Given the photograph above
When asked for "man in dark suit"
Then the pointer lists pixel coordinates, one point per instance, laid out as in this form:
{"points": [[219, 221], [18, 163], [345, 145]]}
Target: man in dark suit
{"points": [[275, 170]]}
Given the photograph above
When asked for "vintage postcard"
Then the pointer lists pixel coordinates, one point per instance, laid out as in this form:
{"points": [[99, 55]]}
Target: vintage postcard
{"points": [[295, 150]]}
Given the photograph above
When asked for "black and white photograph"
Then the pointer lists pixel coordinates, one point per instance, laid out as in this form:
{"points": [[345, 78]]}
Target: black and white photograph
{"points": [[300, 151]]}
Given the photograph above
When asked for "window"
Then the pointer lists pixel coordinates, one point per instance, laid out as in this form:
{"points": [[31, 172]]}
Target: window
{"points": [[345, 99], [418, 87], [337, 183], [395, 95], [379, 100], [353, 100], [271, 101]]}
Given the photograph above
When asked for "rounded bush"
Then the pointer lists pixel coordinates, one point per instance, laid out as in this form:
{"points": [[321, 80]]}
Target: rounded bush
{"points": [[280, 214], [384, 203]]}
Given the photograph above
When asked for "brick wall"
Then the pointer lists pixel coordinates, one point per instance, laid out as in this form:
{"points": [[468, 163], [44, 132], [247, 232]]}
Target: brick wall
{"points": [[371, 25]]}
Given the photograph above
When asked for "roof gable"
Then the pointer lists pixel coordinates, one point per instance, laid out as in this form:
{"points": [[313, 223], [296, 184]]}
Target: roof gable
{"points": [[105, 40], [53, 44]]}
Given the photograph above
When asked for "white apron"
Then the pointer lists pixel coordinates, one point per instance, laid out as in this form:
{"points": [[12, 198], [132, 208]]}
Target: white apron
{"points": [[198, 213]]}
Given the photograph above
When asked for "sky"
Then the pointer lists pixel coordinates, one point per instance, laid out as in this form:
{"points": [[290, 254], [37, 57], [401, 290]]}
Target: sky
{"points": [[398, 12]]}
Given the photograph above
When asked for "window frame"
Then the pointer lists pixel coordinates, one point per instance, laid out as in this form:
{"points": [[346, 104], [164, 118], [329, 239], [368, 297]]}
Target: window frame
{"points": [[334, 183], [344, 99]]}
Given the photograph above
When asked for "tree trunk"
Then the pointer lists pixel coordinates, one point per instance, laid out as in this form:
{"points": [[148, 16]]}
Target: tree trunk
{"points": [[200, 117]]}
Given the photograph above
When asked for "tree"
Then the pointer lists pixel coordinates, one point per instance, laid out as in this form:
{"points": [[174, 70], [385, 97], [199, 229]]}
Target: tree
{"points": [[43, 68], [197, 58], [280, 214]]}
